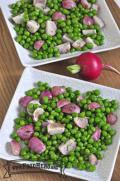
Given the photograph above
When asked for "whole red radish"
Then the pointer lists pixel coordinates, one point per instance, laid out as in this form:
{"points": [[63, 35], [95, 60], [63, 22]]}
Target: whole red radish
{"points": [[90, 66]]}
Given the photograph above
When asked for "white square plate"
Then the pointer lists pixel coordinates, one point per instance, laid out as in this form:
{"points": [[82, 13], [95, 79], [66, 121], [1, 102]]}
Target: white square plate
{"points": [[111, 32], [29, 77]]}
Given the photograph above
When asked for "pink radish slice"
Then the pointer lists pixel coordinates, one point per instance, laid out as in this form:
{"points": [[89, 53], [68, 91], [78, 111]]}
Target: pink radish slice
{"points": [[112, 118], [79, 98], [57, 90], [36, 145], [38, 44], [25, 132], [66, 148], [90, 66], [71, 108], [45, 93], [93, 159], [87, 20], [62, 103], [58, 15], [81, 122], [39, 111], [55, 128], [46, 123], [15, 147], [97, 134], [24, 101], [85, 4], [51, 28], [94, 105], [68, 4]]}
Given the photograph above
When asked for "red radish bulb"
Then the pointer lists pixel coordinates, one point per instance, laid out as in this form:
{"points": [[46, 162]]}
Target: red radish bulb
{"points": [[68, 4], [90, 66]]}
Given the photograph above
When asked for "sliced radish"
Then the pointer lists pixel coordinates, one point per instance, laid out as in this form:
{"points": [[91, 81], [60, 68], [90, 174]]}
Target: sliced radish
{"points": [[36, 145], [45, 93], [88, 32], [81, 122], [64, 48], [66, 148], [112, 118], [32, 26], [68, 4], [62, 103], [79, 43], [79, 98], [58, 15], [67, 39], [97, 134], [38, 44], [71, 108], [95, 7], [25, 100], [99, 21], [25, 132], [93, 159], [39, 3], [85, 4], [18, 19], [87, 20], [57, 90], [37, 113], [45, 123], [55, 128], [15, 147], [51, 27], [94, 105]]}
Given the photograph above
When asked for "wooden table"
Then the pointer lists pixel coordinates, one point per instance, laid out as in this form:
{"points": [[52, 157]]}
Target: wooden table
{"points": [[11, 70]]}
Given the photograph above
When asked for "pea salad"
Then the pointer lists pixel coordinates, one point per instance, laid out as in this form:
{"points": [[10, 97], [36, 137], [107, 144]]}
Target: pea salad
{"points": [[60, 125], [49, 28]]}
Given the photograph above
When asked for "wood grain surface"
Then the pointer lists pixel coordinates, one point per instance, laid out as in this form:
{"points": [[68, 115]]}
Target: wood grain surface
{"points": [[11, 70]]}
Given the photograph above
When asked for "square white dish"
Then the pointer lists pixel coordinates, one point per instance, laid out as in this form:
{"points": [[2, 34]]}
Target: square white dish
{"points": [[111, 32], [29, 77]]}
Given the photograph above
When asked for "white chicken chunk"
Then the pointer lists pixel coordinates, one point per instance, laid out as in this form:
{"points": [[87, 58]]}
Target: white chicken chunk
{"points": [[66, 148], [18, 19], [32, 26], [55, 128], [79, 43], [64, 48], [51, 27]]}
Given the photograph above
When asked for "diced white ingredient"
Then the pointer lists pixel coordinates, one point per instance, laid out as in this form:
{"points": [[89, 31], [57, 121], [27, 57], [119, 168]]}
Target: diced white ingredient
{"points": [[55, 128], [37, 113], [64, 48], [99, 21], [67, 39], [18, 19], [32, 26], [39, 3], [79, 43], [87, 32], [66, 148], [90, 40], [46, 10], [95, 7], [51, 28]]}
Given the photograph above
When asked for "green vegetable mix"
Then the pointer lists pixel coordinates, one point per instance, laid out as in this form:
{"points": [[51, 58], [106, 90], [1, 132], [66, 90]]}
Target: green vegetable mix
{"points": [[89, 139], [43, 45]]}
